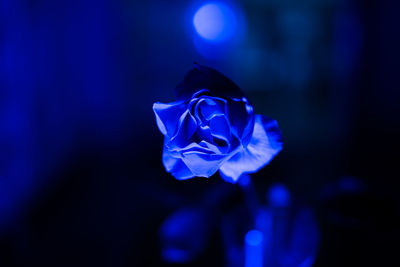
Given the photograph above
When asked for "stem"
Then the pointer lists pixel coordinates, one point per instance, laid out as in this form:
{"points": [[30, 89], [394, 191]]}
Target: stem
{"points": [[254, 239]]}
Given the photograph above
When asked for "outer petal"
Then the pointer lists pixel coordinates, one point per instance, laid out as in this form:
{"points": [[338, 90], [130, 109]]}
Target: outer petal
{"points": [[203, 164], [167, 116], [264, 145], [176, 166], [201, 77], [241, 119]]}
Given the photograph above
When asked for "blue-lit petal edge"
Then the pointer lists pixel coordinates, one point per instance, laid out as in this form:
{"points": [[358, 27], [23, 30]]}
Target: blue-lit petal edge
{"points": [[176, 166], [264, 145], [167, 116]]}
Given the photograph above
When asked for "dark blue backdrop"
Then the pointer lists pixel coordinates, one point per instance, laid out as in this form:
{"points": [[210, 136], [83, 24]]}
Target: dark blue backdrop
{"points": [[81, 178]]}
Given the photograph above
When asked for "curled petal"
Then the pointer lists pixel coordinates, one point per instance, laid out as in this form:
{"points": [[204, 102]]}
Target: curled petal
{"points": [[264, 145], [201, 93], [212, 106], [220, 129], [202, 164], [176, 166], [187, 126], [193, 147], [203, 134], [196, 97], [213, 148], [167, 116], [241, 119], [201, 77]]}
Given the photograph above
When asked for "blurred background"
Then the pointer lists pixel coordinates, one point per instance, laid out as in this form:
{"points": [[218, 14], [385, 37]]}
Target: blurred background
{"points": [[81, 177]]}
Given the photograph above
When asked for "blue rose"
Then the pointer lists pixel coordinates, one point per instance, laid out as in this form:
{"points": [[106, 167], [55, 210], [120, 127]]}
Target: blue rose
{"points": [[212, 127]]}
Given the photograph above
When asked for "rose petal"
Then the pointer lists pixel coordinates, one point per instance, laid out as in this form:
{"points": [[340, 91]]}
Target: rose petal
{"points": [[186, 128], [203, 133], [167, 116], [193, 147], [241, 119], [220, 128], [211, 106], [176, 166], [211, 147], [264, 145], [202, 164], [201, 93], [195, 99], [201, 77]]}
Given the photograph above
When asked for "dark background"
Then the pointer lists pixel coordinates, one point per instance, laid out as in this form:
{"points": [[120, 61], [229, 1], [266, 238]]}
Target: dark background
{"points": [[81, 177]]}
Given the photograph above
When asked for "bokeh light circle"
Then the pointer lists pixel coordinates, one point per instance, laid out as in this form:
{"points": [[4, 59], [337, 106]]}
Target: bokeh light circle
{"points": [[254, 237], [215, 21]]}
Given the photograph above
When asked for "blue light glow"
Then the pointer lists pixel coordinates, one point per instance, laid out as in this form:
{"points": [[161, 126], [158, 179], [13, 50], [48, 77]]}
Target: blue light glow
{"points": [[175, 255], [254, 238], [215, 22], [244, 180], [279, 196], [254, 249], [184, 235]]}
